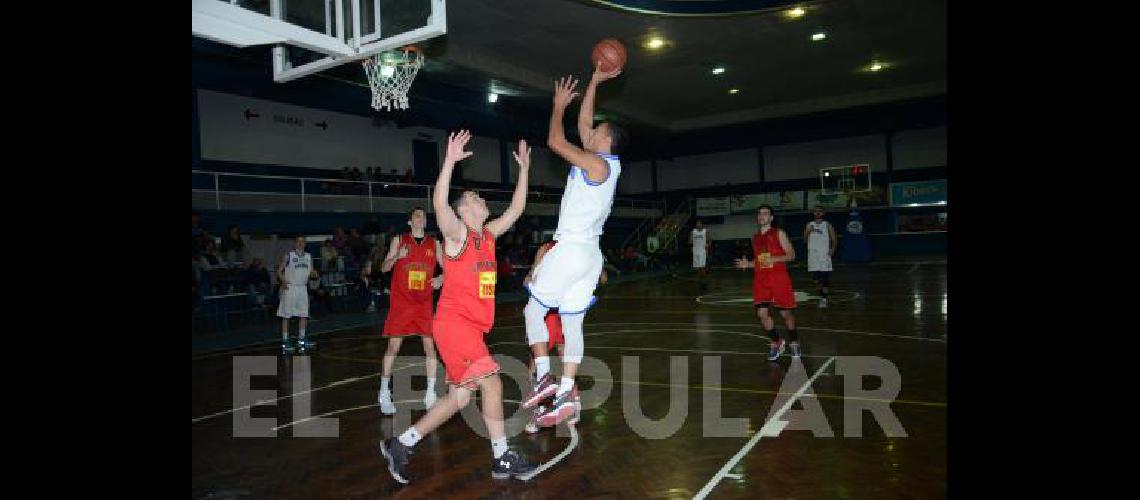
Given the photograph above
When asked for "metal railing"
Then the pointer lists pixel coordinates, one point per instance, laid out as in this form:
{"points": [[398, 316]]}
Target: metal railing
{"points": [[240, 191]]}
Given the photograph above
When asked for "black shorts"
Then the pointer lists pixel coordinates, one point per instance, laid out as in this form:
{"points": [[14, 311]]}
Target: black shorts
{"points": [[821, 277], [769, 305]]}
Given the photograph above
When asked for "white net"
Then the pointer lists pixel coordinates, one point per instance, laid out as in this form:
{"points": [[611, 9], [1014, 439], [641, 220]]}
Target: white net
{"points": [[390, 75]]}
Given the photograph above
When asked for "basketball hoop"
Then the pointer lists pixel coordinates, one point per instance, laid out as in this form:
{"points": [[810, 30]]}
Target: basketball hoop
{"points": [[390, 75]]}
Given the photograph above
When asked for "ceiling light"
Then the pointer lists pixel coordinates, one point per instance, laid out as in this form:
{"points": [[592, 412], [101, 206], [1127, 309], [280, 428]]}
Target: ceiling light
{"points": [[718, 70], [492, 97], [876, 66], [818, 36], [795, 13], [733, 91], [655, 43]]}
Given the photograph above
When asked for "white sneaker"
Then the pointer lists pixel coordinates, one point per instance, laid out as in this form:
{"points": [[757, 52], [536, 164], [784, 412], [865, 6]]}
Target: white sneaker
{"points": [[429, 398], [823, 303], [385, 400]]}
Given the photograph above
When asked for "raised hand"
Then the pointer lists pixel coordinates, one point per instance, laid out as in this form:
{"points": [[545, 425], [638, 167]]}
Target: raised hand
{"points": [[601, 76], [564, 91], [522, 156], [456, 142]]}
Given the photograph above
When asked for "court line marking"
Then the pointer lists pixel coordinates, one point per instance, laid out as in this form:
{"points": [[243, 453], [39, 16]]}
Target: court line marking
{"points": [[266, 401], [557, 458], [745, 296], [740, 389], [355, 408], [778, 393], [941, 341], [768, 427], [752, 325], [274, 344]]}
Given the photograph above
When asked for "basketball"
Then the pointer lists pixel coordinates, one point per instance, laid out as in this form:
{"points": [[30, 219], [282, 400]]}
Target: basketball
{"points": [[609, 55]]}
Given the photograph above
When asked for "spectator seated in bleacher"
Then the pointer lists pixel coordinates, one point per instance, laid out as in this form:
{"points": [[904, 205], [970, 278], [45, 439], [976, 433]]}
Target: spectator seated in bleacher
{"points": [[196, 232], [608, 263], [633, 260], [328, 256], [373, 276], [339, 241], [358, 248], [372, 231], [508, 279], [257, 276], [210, 261], [319, 296], [233, 248]]}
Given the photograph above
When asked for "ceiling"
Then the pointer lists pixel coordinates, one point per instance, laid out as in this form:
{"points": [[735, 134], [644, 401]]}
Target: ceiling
{"points": [[771, 59]]}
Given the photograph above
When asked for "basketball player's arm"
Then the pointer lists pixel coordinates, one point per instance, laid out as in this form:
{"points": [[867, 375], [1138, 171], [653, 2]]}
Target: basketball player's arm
{"points": [[586, 111], [437, 281], [392, 257], [834, 240], [789, 250], [597, 170], [518, 201], [449, 224], [281, 270]]}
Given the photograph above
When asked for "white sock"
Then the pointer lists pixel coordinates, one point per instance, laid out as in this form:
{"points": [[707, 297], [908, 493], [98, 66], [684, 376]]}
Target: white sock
{"points": [[541, 367], [498, 447], [410, 437], [302, 334], [384, 383], [431, 383], [565, 386]]}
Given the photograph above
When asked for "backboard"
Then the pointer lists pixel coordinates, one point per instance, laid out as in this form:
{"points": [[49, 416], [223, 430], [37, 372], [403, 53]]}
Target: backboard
{"points": [[309, 36], [845, 179]]}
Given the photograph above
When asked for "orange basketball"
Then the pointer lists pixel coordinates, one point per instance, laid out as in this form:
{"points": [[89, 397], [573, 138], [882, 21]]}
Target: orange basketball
{"points": [[609, 54]]}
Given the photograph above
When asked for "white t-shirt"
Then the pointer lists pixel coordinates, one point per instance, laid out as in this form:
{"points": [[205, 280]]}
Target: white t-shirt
{"points": [[819, 238], [699, 239], [586, 205], [297, 268]]}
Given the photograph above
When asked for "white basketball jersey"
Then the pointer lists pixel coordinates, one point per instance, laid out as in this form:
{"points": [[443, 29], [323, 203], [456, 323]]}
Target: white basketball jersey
{"points": [[819, 239], [585, 204], [297, 268], [699, 239]]}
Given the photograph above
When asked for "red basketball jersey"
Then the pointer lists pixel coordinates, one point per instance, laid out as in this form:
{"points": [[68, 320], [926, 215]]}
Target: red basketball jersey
{"points": [[469, 282], [768, 243], [411, 278]]}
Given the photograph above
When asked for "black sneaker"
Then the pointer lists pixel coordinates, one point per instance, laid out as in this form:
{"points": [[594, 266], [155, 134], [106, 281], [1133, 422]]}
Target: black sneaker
{"points": [[397, 456], [510, 464]]}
